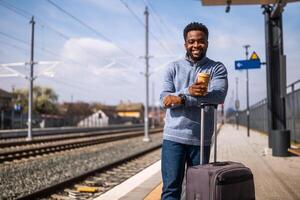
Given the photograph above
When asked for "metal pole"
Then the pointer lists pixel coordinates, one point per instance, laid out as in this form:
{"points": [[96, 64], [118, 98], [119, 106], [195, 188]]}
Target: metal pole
{"points": [[248, 110], [279, 137], [202, 135], [247, 46], [269, 62], [29, 136], [293, 109], [215, 133], [146, 117], [237, 103]]}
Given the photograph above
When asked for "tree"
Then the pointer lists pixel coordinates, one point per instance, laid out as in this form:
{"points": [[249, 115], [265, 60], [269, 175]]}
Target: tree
{"points": [[44, 100], [76, 109]]}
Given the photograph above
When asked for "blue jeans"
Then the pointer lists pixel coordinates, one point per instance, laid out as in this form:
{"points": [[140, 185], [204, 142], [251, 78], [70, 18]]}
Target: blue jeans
{"points": [[173, 159]]}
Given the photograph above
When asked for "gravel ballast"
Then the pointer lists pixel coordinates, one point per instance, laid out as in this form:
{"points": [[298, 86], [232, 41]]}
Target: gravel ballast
{"points": [[23, 177]]}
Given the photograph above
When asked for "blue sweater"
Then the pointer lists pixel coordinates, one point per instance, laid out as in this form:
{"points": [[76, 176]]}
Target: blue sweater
{"points": [[182, 123]]}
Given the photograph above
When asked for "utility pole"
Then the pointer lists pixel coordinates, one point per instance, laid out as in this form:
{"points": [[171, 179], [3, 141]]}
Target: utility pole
{"points": [[247, 46], [237, 102], [146, 117], [31, 78]]}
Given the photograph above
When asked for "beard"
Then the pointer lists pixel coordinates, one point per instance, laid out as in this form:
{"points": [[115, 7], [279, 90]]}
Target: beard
{"points": [[198, 57]]}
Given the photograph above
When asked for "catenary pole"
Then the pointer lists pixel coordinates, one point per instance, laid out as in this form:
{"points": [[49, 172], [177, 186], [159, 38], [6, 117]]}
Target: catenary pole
{"points": [[237, 103], [146, 116], [247, 46], [30, 96]]}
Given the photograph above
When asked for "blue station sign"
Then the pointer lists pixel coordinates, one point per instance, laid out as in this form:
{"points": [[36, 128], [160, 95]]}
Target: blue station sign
{"points": [[253, 63], [247, 64]]}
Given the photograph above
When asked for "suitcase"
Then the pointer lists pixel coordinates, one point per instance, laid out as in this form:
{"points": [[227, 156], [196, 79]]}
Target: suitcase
{"points": [[218, 180]]}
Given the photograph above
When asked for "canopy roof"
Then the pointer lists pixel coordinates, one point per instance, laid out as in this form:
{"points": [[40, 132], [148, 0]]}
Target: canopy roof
{"points": [[242, 2]]}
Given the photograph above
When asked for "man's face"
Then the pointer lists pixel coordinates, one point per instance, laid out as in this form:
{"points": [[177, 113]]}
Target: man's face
{"points": [[196, 44]]}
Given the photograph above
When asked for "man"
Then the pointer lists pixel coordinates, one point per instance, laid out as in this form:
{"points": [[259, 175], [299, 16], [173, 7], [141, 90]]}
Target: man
{"points": [[182, 97]]}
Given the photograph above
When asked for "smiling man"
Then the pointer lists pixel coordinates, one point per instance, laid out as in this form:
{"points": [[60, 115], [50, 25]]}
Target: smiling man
{"points": [[182, 96]]}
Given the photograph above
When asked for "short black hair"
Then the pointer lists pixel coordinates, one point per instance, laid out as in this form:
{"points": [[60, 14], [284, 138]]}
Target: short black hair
{"points": [[193, 27]]}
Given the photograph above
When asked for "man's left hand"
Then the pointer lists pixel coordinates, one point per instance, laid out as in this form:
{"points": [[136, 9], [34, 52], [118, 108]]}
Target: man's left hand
{"points": [[171, 100]]}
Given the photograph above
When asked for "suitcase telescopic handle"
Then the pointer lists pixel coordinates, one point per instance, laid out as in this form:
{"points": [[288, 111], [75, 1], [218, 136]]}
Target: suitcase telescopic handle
{"points": [[215, 106]]}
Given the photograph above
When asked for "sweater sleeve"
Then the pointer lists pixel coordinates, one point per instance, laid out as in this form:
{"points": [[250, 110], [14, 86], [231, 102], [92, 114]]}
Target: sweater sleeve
{"points": [[217, 90], [168, 87]]}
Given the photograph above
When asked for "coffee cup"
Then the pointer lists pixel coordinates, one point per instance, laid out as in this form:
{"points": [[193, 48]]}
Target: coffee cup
{"points": [[204, 79]]}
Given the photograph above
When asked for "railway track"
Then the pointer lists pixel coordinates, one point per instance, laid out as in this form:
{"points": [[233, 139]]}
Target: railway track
{"points": [[20, 178], [100, 179], [66, 143], [62, 136], [22, 133]]}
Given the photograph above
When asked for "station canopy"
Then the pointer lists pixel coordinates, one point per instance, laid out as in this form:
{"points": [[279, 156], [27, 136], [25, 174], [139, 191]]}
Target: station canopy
{"points": [[243, 2]]}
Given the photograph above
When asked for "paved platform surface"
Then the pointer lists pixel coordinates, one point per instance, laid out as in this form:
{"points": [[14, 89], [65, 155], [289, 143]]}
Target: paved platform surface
{"points": [[137, 187], [276, 178]]}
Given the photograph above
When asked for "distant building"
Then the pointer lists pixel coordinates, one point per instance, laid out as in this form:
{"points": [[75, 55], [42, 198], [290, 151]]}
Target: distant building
{"points": [[97, 119], [131, 112]]}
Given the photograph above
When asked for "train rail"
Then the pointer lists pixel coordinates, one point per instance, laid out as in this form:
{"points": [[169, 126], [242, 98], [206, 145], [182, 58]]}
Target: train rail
{"points": [[62, 136], [22, 133], [65, 189], [20, 152]]}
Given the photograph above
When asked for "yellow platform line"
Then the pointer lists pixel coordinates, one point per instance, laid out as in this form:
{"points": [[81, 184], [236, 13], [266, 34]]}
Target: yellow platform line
{"points": [[294, 151], [155, 193]]}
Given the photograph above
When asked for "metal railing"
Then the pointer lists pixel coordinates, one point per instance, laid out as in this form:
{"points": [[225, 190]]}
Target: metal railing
{"points": [[258, 113]]}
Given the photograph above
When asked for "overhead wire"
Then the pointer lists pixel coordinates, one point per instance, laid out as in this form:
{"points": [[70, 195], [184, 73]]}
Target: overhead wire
{"points": [[14, 38], [50, 52], [89, 27], [41, 48], [160, 21], [143, 24], [57, 80], [10, 7], [75, 86], [14, 46], [27, 15]]}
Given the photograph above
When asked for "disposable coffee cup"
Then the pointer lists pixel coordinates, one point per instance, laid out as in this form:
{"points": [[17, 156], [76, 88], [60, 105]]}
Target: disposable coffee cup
{"points": [[203, 77]]}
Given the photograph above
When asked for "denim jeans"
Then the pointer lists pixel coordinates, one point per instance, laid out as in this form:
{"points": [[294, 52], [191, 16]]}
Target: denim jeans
{"points": [[174, 157]]}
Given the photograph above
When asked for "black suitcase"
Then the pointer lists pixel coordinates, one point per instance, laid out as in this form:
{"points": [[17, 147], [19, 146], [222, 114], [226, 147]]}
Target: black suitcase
{"points": [[218, 180]]}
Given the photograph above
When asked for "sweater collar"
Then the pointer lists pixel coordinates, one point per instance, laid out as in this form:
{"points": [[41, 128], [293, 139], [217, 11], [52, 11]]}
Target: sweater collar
{"points": [[198, 63]]}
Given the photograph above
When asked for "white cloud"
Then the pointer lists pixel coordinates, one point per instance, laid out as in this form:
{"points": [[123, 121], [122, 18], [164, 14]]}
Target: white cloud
{"points": [[88, 49], [97, 67]]}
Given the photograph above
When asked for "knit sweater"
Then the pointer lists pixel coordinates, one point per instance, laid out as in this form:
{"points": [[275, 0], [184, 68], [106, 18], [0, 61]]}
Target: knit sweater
{"points": [[182, 122]]}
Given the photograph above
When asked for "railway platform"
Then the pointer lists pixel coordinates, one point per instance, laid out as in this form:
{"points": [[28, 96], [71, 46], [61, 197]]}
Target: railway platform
{"points": [[276, 178]]}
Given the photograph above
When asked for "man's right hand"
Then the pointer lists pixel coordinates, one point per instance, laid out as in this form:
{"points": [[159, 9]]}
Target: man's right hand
{"points": [[198, 89]]}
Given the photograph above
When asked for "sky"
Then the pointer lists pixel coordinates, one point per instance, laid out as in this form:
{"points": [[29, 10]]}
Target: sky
{"points": [[96, 48]]}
